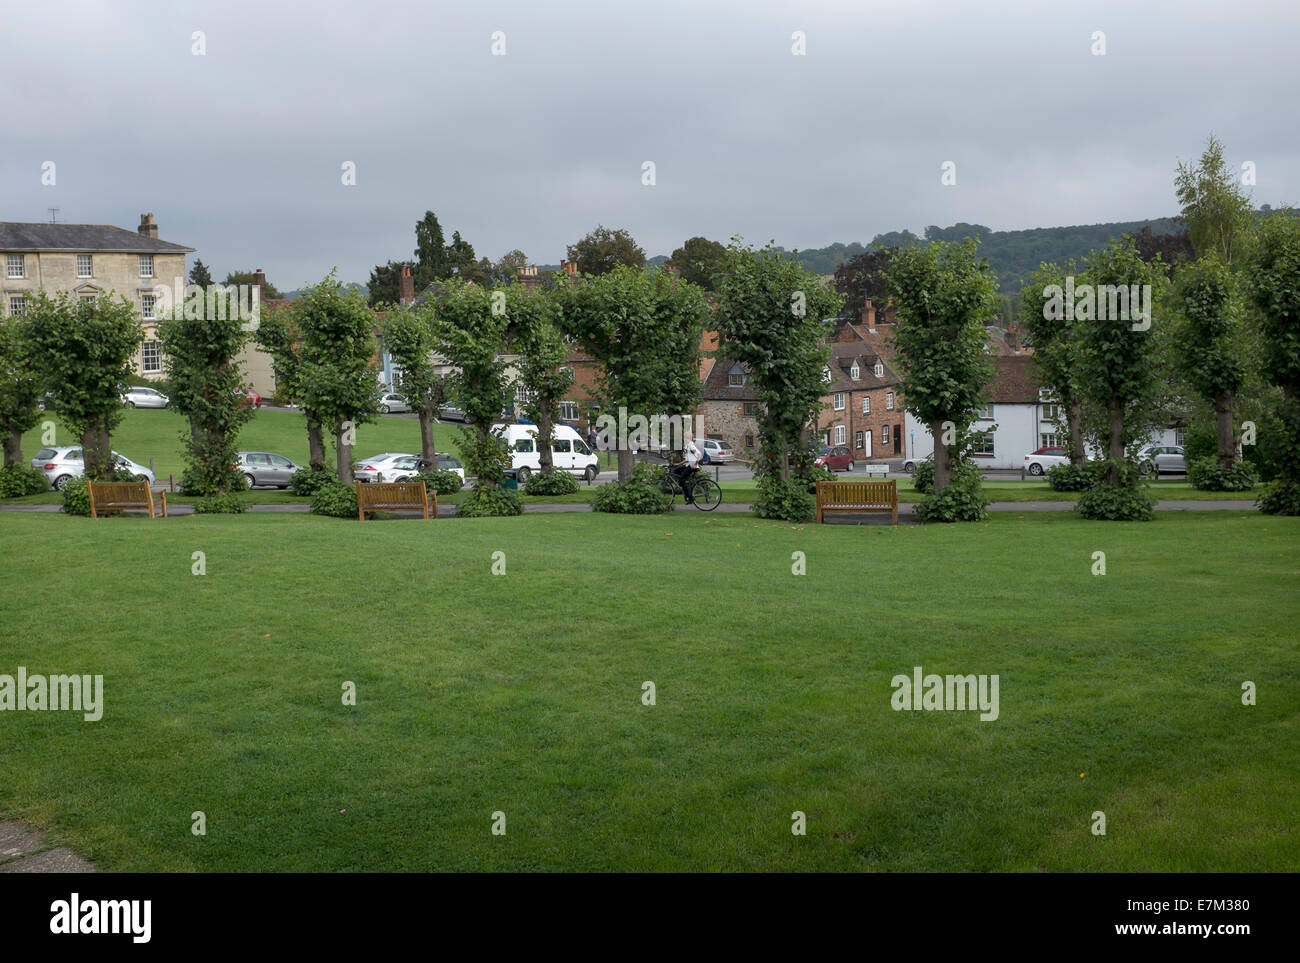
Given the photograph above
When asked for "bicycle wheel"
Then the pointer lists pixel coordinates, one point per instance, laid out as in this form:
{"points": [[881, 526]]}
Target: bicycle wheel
{"points": [[668, 485], [707, 494]]}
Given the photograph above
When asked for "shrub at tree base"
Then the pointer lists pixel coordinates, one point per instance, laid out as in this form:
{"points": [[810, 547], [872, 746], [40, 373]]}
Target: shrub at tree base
{"points": [[788, 500], [962, 501], [334, 499], [1207, 475], [17, 480], [76, 499], [817, 473], [639, 495], [237, 483], [442, 482], [490, 503], [551, 483], [227, 504], [1129, 501], [1280, 498], [308, 481], [1073, 478], [923, 477]]}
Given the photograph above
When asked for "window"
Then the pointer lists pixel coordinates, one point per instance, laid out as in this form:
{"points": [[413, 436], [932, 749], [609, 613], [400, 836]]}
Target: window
{"points": [[749, 441], [855, 372], [751, 409], [736, 376], [839, 434], [146, 265], [568, 371], [88, 297], [884, 434], [524, 444], [1051, 412], [879, 370], [146, 307], [1049, 439], [839, 401], [85, 266], [581, 447], [889, 403], [149, 357], [986, 412], [858, 439], [568, 411], [17, 306], [866, 404], [279, 461], [17, 266], [983, 444], [560, 446]]}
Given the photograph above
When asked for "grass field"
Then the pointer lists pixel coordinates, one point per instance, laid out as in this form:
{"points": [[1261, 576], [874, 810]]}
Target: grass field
{"points": [[521, 693]]}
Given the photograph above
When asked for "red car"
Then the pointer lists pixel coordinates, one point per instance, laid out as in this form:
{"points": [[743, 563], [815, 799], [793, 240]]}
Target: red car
{"points": [[251, 397], [839, 458]]}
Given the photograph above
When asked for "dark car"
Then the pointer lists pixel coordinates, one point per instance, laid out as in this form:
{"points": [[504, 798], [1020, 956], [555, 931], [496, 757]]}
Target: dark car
{"points": [[838, 458]]}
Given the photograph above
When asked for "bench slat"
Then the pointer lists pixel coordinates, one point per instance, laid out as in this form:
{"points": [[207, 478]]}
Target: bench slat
{"points": [[123, 496], [394, 497], [857, 496]]}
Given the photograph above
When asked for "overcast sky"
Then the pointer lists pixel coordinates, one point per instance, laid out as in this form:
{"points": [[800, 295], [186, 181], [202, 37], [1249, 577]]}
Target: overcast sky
{"points": [[238, 152]]}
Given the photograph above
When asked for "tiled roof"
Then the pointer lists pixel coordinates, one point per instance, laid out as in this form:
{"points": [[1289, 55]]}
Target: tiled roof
{"points": [[717, 389], [1016, 380], [15, 236]]}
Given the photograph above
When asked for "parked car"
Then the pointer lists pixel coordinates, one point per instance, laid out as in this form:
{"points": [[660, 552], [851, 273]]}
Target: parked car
{"points": [[838, 458], [1037, 462], [381, 468], [264, 468], [138, 396], [1154, 459], [391, 402], [62, 464], [568, 451], [251, 398], [452, 413], [910, 464], [719, 452], [406, 467]]}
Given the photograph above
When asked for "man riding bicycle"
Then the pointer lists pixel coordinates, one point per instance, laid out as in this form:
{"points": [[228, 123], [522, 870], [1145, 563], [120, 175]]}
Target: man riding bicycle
{"points": [[685, 470]]}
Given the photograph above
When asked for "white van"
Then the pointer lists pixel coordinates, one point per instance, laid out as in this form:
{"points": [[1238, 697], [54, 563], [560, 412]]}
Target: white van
{"points": [[568, 451]]}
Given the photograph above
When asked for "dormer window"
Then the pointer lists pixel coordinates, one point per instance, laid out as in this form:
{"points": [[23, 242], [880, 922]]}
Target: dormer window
{"points": [[855, 372], [736, 377], [879, 370]]}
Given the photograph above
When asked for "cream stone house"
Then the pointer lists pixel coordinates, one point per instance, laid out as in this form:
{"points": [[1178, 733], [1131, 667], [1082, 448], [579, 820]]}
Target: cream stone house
{"points": [[90, 260]]}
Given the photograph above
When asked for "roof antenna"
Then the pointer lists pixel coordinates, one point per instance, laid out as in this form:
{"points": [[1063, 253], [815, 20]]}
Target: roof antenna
{"points": [[54, 214]]}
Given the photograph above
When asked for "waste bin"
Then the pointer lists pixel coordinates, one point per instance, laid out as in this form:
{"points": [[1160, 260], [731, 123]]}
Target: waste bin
{"points": [[511, 479]]}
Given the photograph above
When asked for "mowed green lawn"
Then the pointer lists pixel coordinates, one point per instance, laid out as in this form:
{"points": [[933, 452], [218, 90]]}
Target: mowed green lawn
{"points": [[522, 693]]}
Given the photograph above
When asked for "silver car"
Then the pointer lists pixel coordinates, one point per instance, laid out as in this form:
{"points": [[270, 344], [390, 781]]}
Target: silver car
{"points": [[63, 464], [137, 396], [383, 468], [391, 402], [1154, 459], [264, 468]]}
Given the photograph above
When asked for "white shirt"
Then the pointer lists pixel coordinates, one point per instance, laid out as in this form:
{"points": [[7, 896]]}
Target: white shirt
{"points": [[693, 455]]}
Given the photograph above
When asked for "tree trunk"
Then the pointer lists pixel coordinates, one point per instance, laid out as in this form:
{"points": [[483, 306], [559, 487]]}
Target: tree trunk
{"points": [[344, 460], [626, 462], [544, 432], [1116, 448], [1227, 440], [97, 452], [427, 448], [13, 448], [942, 456], [1074, 424], [315, 442]]}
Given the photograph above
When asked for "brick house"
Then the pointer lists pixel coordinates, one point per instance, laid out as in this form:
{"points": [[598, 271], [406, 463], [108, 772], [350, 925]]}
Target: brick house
{"points": [[864, 399]]}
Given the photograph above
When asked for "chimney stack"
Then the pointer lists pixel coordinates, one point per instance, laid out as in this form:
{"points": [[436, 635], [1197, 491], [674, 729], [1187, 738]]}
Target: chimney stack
{"points": [[405, 286], [259, 279], [528, 277], [147, 227], [570, 268]]}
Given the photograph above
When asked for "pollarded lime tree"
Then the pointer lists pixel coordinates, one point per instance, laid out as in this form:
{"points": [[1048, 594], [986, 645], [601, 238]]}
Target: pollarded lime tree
{"points": [[945, 294], [542, 372], [200, 349], [19, 388], [1054, 338], [773, 317], [278, 334], [1274, 281], [1211, 343], [411, 338], [644, 327], [1120, 371], [84, 351], [474, 328], [338, 373]]}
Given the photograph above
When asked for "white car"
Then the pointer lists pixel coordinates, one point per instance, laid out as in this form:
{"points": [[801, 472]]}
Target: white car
{"points": [[399, 467], [137, 396], [1038, 462], [63, 464], [392, 402], [719, 452]]}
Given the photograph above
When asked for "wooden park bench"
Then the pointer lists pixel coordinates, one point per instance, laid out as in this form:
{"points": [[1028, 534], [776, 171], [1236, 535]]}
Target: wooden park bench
{"points": [[394, 497], [123, 496], [857, 497]]}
